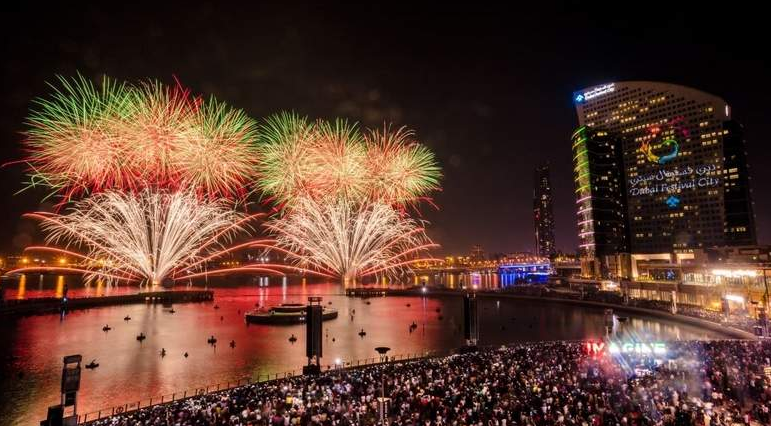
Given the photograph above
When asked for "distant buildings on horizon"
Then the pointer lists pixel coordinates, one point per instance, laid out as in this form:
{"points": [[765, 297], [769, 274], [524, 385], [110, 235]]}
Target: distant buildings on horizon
{"points": [[543, 213]]}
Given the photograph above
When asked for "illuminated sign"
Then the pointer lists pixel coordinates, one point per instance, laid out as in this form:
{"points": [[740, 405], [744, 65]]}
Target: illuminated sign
{"points": [[595, 348], [639, 348], [643, 348], [673, 201], [690, 178], [580, 98]]}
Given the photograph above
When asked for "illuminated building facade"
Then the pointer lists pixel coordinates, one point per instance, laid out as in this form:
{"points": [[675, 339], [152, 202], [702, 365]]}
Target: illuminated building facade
{"points": [[683, 164], [600, 201], [543, 214]]}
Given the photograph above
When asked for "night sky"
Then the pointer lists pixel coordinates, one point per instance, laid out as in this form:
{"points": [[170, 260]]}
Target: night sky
{"points": [[488, 89]]}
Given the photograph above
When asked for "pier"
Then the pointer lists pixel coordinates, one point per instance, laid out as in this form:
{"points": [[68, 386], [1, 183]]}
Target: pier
{"points": [[49, 305]]}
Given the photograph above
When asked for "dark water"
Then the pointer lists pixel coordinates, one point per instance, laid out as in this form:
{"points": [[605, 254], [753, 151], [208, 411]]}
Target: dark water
{"points": [[32, 348]]}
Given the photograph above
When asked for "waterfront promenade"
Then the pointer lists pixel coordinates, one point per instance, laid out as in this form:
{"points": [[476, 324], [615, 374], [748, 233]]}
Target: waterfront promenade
{"points": [[736, 326]]}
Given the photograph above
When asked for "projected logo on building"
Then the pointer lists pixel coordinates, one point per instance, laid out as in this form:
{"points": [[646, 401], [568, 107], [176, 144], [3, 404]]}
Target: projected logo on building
{"points": [[660, 147], [669, 149], [662, 144], [674, 180]]}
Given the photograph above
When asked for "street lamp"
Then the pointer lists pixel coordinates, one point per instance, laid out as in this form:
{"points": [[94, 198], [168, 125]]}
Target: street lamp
{"points": [[383, 403]]}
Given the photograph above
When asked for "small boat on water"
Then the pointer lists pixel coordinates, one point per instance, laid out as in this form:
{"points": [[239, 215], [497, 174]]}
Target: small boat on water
{"points": [[93, 364], [232, 343], [292, 338], [286, 313], [141, 337], [216, 306], [171, 311], [212, 340], [362, 333], [127, 318], [106, 328]]}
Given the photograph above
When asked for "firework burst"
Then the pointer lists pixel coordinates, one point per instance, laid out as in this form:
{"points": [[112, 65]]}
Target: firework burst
{"points": [[86, 139], [299, 159], [340, 195], [349, 240], [400, 169], [147, 236]]}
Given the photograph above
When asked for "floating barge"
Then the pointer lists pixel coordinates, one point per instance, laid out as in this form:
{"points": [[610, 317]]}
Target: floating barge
{"points": [[286, 313]]}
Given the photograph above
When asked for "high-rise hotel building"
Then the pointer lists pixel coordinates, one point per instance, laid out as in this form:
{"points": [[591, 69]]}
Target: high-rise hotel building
{"points": [[659, 168]]}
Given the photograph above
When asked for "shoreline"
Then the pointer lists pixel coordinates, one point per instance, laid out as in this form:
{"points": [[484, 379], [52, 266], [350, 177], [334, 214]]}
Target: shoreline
{"points": [[51, 305], [731, 332]]}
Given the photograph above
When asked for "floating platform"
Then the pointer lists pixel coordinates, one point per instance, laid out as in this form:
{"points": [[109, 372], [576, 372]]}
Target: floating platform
{"points": [[286, 313]]}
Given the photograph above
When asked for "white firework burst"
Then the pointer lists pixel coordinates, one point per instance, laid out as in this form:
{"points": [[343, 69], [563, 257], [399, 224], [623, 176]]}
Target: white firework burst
{"points": [[146, 236], [349, 240]]}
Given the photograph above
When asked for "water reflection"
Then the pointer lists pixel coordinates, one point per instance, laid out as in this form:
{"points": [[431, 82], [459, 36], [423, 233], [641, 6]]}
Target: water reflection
{"points": [[59, 286], [22, 291], [129, 370]]}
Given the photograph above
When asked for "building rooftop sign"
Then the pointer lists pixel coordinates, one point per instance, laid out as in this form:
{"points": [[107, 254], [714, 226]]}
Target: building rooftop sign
{"points": [[581, 97]]}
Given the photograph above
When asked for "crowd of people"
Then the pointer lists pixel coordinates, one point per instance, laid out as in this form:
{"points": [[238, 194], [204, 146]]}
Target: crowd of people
{"points": [[547, 383]]}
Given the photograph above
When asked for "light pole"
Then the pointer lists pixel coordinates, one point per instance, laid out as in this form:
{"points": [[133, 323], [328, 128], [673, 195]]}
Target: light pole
{"points": [[383, 402]]}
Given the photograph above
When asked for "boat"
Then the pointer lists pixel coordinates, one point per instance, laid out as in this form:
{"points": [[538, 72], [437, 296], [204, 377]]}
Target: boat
{"points": [[216, 306], [93, 364], [171, 311], [212, 340], [292, 338], [232, 343], [106, 328], [362, 333], [141, 337], [127, 318], [286, 313]]}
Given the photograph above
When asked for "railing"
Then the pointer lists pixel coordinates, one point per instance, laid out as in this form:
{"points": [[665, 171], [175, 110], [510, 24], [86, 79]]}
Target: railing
{"points": [[260, 378]]}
